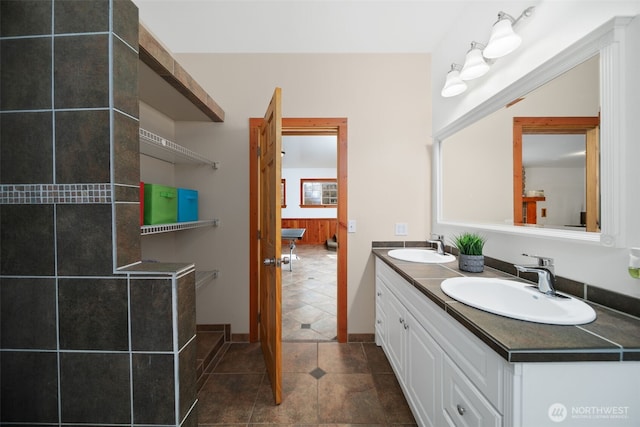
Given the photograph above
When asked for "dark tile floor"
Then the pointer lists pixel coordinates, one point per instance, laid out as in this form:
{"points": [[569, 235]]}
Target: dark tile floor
{"points": [[323, 383]]}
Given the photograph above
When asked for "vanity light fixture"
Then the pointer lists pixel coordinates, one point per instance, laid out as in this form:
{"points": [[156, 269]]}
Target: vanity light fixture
{"points": [[453, 85], [503, 39], [474, 64]]}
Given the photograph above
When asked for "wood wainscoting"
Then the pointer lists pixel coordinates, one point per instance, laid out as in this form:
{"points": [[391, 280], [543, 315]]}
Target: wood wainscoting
{"points": [[318, 229]]}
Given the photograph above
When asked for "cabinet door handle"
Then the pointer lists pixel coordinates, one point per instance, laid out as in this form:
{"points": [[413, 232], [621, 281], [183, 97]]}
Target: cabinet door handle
{"points": [[406, 325], [461, 409], [379, 321], [379, 293], [401, 320]]}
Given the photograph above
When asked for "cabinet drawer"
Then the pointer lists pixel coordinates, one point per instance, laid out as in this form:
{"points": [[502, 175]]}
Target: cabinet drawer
{"points": [[462, 403]]}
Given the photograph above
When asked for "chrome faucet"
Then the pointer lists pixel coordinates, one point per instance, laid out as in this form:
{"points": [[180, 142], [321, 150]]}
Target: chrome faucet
{"points": [[439, 242], [545, 270]]}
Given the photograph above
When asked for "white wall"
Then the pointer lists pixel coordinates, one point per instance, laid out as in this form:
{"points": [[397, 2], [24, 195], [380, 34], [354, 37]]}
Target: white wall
{"points": [[554, 27], [386, 99], [564, 191], [293, 177]]}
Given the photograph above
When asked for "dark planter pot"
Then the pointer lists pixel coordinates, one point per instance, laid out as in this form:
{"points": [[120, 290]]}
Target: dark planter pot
{"points": [[471, 263]]}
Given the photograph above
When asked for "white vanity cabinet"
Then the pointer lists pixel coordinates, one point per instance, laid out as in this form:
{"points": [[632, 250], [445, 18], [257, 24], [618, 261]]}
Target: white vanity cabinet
{"points": [[439, 390], [452, 378], [414, 355]]}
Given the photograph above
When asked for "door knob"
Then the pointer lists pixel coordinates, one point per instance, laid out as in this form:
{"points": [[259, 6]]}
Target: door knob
{"points": [[275, 262]]}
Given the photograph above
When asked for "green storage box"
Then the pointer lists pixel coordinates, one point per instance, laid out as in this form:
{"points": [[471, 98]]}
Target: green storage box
{"points": [[160, 204]]}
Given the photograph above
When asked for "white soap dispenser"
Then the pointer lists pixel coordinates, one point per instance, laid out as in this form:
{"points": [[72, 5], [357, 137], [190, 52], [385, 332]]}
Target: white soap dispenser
{"points": [[634, 263]]}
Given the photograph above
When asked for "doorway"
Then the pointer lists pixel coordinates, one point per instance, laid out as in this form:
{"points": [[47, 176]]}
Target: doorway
{"points": [[301, 127], [309, 203]]}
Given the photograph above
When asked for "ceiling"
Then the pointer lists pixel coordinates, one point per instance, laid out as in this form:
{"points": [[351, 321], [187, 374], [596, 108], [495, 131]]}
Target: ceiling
{"points": [[303, 26], [554, 151], [309, 151]]}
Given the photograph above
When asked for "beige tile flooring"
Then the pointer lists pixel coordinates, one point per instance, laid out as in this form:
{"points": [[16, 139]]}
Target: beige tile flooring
{"points": [[323, 383], [309, 294]]}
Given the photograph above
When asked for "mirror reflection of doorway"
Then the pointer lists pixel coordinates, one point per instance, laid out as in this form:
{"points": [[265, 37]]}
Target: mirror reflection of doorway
{"points": [[526, 206], [309, 283]]}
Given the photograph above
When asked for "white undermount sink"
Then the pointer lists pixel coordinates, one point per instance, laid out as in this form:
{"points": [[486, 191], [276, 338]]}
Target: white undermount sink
{"points": [[425, 256], [518, 301]]}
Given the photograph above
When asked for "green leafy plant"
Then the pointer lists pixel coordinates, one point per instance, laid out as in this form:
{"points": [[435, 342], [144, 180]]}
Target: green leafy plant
{"points": [[469, 243]]}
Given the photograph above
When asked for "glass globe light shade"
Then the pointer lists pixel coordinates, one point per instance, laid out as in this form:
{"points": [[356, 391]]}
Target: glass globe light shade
{"points": [[474, 65], [503, 40], [453, 85]]}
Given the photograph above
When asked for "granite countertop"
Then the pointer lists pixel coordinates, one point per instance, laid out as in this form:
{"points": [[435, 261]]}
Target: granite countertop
{"points": [[613, 336]]}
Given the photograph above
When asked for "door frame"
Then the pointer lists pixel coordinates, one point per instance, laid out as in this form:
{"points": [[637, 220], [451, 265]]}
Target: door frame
{"points": [[299, 126]]}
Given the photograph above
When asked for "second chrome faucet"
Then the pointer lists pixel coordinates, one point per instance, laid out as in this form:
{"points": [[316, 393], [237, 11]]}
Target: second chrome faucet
{"points": [[545, 270], [438, 240]]}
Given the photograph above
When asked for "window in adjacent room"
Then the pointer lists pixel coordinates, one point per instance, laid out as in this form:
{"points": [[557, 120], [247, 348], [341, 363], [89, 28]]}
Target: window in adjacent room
{"points": [[318, 192]]}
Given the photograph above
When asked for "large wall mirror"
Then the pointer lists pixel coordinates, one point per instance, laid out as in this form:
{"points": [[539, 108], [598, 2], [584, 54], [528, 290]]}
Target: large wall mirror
{"points": [[544, 156], [551, 162]]}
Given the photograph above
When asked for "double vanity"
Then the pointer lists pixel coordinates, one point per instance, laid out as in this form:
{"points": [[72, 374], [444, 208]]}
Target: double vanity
{"points": [[459, 365]]}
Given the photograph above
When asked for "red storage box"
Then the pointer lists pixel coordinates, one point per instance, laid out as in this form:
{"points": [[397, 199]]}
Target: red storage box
{"points": [[141, 203]]}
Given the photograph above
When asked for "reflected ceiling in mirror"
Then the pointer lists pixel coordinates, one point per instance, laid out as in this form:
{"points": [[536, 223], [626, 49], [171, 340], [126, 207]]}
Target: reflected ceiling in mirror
{"points": [[477, 175]]}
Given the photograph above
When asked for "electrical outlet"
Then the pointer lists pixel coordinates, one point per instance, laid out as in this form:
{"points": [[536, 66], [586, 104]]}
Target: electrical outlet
{"points": [[402, 229]]}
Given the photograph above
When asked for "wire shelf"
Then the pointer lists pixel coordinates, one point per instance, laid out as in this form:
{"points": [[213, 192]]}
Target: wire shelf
{"points": [[161, 148], [177, 226], [204, 277]]}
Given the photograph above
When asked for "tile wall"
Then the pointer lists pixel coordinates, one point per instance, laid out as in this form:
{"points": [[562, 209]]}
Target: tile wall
{"points": [[80, 341]]}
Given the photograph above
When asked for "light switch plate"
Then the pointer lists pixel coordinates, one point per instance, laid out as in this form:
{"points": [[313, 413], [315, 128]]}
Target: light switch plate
{"points": [[351, 226], [402, 229]]}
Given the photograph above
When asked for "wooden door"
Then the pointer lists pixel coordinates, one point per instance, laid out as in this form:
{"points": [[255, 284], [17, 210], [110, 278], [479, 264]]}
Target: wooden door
{"points": [[270, 314]]}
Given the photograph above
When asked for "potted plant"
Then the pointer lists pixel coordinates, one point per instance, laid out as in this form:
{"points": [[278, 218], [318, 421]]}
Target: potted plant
{"points": [[470, 257]]}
